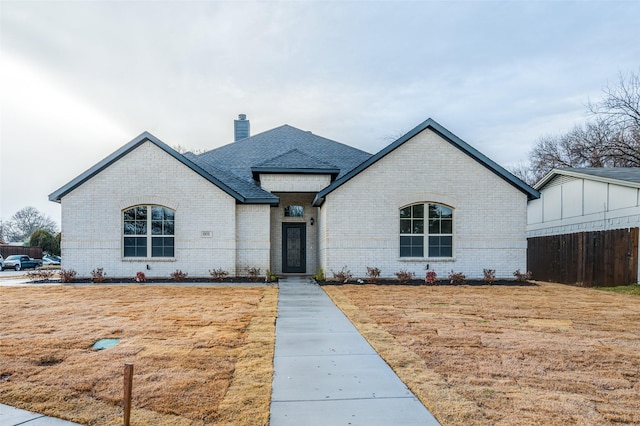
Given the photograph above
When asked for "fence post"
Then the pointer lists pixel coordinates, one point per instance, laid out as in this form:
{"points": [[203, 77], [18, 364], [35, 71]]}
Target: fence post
{"points": [[128, 385]]}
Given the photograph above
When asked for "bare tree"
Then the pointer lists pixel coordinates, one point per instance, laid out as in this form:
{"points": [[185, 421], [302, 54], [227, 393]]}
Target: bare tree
{"points": [[4, 227], [524, 172], [183, 150], [610, 139], [24, 222], [620, 104]]}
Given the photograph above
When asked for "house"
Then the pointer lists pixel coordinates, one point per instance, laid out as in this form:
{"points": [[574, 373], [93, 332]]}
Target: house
{"points": [[290, 201], [584, 227]]}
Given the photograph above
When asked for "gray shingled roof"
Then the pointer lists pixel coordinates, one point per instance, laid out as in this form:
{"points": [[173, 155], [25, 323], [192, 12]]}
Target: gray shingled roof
{"points": [[629, 175], [248, 189], [294, 161], [284, 147]]}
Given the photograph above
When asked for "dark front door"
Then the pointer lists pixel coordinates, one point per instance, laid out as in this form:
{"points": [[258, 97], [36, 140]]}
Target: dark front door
{"points": [[294, 241]]}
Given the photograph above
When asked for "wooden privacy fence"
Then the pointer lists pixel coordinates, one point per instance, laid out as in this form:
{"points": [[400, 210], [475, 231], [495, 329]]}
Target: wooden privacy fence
{"points": [[590, 259], [34, 252]]}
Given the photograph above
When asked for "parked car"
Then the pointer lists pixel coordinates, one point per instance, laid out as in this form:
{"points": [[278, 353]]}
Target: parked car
{"points": [[18, 262], [49, 259], [1, 263]]}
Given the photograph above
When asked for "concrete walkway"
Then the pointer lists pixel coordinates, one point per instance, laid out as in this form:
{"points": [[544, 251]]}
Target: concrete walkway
{"points": [[10, 416], [325, 371]]}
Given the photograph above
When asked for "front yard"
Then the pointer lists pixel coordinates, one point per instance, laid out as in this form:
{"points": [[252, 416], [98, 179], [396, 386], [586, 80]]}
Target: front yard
{"points": [[547, 354], [201, 355]]}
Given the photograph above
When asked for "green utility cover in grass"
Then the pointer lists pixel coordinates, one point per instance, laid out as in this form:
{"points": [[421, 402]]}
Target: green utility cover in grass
{"points": [[105, 344]]}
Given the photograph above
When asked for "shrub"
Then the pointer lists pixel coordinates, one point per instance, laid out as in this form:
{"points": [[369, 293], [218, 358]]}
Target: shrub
{"points": [[405, 276], [140, 277], [457, 278], [343, 275], [67, 275], [373, 274], [178, 275], [218, 274], [522, 276], [319, 276], [40, 274], [270, 277], [431, 278], [98, 275], [489, 275], [254, 273]]}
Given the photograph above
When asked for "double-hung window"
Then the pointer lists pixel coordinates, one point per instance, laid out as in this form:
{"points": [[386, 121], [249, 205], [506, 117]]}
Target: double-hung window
{"points": [[148, 231], [426, 230]]}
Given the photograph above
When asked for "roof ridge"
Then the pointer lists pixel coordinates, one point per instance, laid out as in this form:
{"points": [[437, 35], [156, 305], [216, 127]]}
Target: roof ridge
{"points": [[297, 151]]}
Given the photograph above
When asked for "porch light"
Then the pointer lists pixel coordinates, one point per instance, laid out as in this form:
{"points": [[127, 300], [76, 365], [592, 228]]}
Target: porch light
{"points": [[311, 221]]}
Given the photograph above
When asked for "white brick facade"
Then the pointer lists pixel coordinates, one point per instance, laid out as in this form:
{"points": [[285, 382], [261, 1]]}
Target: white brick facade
{"points": [[227, 222], [254, 238], [360, 220], [92, 218]]}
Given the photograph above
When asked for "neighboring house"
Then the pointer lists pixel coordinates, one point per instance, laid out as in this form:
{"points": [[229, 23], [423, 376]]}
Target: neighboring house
{"points": [[593, 214], [294, 202]]}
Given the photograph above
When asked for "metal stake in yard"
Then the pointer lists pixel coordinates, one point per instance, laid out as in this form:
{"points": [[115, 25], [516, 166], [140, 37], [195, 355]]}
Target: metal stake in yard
{"points": [[128, 384]]}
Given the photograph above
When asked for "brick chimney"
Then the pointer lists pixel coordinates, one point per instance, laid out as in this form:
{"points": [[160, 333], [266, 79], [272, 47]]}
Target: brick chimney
{"points": [[241, 128]]}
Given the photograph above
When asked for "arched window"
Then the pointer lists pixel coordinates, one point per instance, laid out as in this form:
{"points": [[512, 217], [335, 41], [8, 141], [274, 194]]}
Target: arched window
{"points": [[294, 211], [426, 230], [148, 231]]}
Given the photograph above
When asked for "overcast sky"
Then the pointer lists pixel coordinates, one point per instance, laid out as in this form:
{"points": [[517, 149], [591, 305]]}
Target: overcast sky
{"points": [[79, 79]]}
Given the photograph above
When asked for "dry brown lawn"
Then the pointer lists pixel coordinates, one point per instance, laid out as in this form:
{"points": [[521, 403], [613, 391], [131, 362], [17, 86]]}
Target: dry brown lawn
{"points": [[201, 355], [550, 354]]}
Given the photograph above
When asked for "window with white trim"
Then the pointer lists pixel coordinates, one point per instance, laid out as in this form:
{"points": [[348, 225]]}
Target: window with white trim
{"points": [[426, 230], [148, 231]]}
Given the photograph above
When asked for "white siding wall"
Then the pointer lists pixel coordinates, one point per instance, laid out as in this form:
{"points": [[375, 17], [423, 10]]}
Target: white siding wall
{"points": [[360, 220], [552, 203], [572, 199], [578, 205], [596, 200], [92, 217], [253, 238]]}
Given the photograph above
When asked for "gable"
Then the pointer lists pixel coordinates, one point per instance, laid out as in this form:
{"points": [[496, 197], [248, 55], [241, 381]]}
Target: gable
{"points": [[448, 137], [143, 138], [294, 161]]}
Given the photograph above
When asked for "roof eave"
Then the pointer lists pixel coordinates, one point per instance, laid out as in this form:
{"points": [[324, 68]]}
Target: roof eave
{"points": [[500, 171], [274, 202], [545, 179], [144, 137], [318, 201], [573, 173], [255, 171], [449, 137]]}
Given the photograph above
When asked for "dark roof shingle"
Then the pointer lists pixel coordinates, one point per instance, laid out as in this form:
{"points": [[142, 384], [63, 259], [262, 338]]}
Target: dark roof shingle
{"points": [[239, 157], [627, 174]]}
